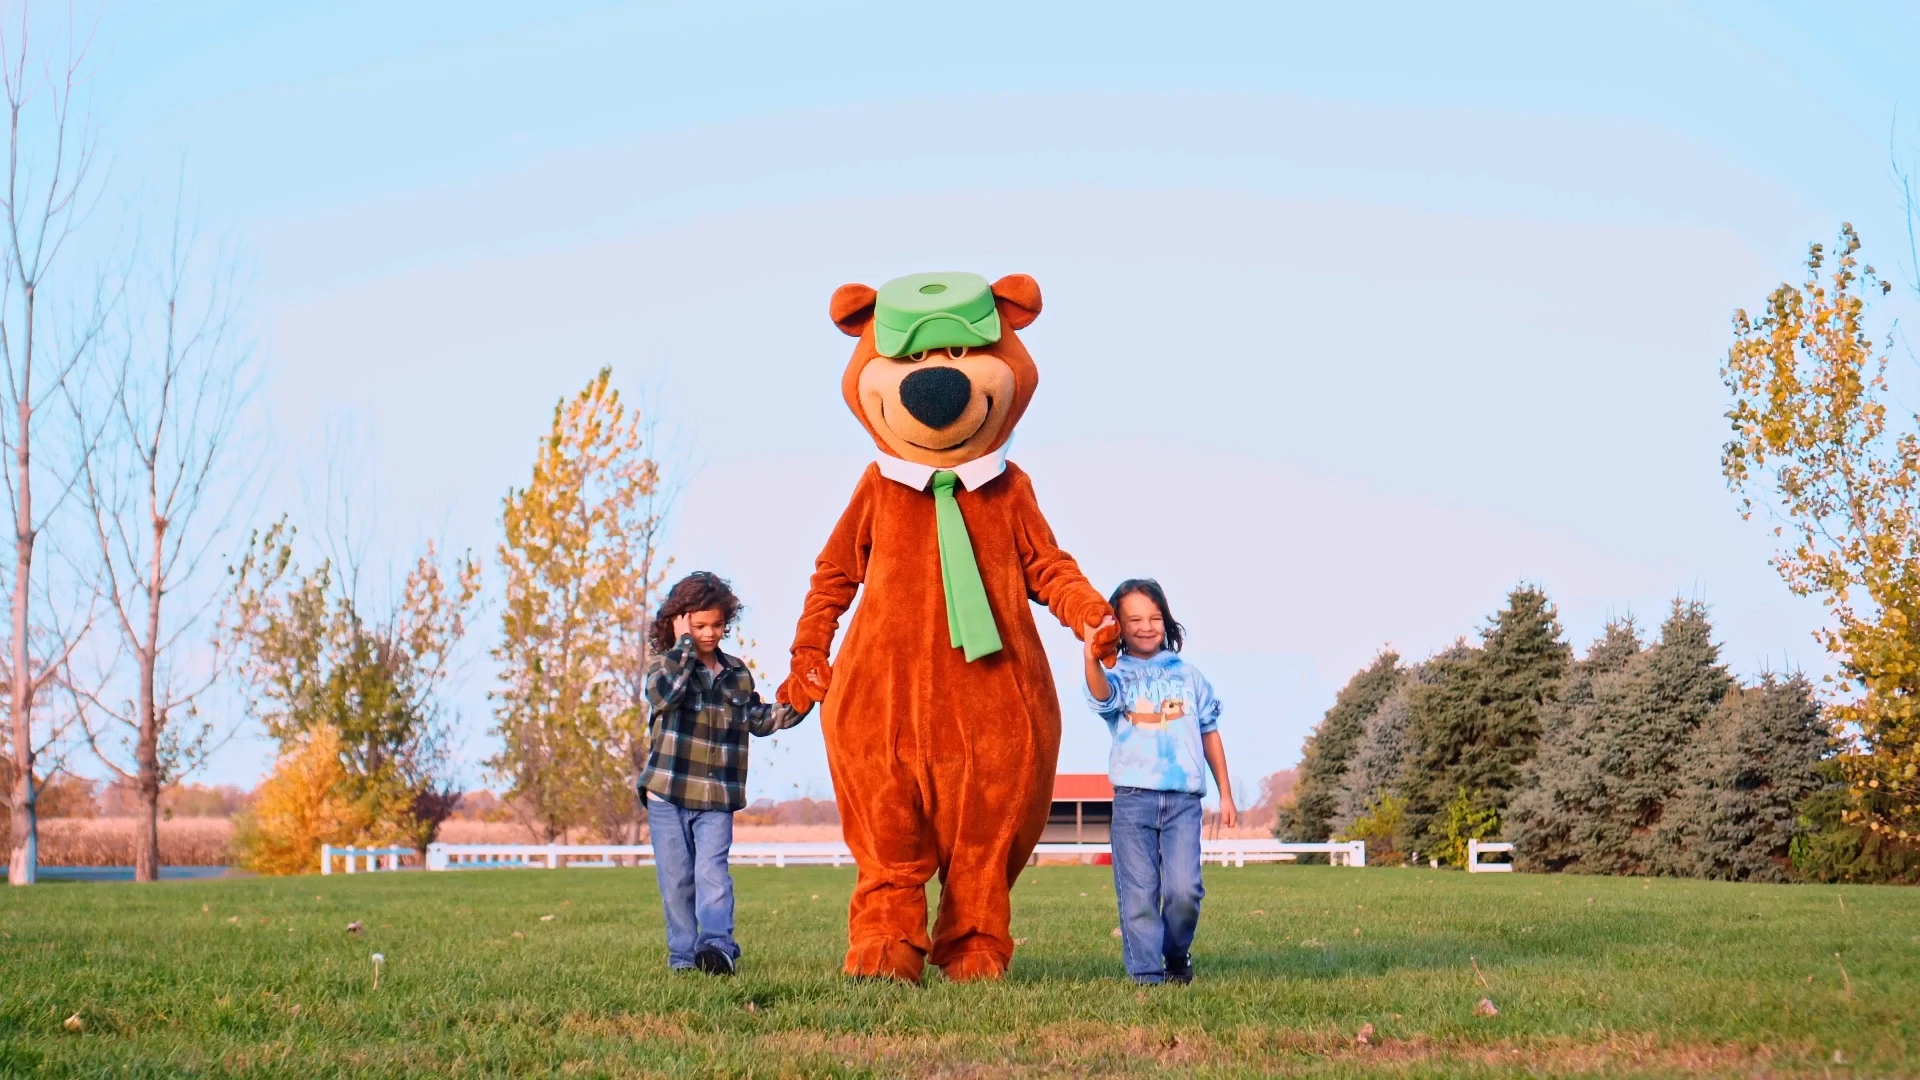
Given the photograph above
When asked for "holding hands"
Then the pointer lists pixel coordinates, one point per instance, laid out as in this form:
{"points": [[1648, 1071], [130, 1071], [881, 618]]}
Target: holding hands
{"points": [[807, 683], [1101, 641]]}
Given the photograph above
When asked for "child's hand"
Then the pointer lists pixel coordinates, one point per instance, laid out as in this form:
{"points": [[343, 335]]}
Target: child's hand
{"points": [[682, 625], [1229, 814]]}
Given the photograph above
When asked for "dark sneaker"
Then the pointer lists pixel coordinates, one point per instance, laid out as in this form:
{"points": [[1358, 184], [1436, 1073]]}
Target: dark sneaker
{"points": [[1180, 969], [713, 961]]}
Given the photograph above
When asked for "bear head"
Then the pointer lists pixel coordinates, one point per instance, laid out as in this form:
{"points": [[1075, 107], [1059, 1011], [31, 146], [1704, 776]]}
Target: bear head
{"points": [[939, 376]]}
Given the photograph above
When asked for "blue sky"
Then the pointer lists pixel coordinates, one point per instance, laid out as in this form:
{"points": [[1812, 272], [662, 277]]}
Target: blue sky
{"points": [[1355, 316]]}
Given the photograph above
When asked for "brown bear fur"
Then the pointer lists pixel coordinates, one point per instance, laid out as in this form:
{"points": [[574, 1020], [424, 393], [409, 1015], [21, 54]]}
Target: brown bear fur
{"points": [[939, 766]]}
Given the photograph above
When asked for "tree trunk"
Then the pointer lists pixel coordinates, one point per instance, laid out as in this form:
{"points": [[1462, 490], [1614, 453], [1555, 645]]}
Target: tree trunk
{"points": [[23, 861], [146, 839], [146, 843]]}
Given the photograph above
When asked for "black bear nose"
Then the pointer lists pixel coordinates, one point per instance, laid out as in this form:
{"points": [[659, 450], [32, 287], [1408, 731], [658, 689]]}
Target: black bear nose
{"points": [[936, 396]]}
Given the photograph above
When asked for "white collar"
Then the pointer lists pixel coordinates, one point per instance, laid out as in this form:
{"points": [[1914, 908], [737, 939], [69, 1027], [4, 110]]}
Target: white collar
{"points": [[972, 474]]}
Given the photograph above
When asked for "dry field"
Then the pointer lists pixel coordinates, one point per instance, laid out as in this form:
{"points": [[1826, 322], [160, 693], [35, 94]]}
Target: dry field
{"points": [[512, 832], [109, 841], [207, 841]]}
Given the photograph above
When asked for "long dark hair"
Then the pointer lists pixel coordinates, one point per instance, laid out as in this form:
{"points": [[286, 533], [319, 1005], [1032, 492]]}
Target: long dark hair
{"points": [[698, 591], [1149, 588]]}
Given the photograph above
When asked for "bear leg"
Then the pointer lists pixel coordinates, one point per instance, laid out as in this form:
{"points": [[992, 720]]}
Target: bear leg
{"points": [[893, 845], [988, 820]]}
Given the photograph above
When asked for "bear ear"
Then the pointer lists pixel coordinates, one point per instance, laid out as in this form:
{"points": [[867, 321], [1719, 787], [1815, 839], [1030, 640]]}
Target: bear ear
{"points": [[852, 308], [1019, 297]]}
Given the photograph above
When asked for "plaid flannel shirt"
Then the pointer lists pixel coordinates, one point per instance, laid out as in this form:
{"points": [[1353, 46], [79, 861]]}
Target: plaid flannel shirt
{"points": [[697, 728]]}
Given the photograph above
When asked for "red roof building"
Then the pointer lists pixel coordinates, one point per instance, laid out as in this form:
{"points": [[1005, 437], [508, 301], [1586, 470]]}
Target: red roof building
{"points": [[1082, 811]]}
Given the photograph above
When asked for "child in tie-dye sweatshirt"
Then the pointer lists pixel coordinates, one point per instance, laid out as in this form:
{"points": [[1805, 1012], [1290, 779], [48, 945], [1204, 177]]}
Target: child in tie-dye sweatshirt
{"points": [[1164, 720]]}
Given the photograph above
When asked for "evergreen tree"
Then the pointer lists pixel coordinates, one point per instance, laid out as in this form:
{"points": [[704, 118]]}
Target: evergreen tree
{"points": [[1329, 748], [1752, 763], [1668, 692], [1564, 783], [1478, 726], [1378, 758], [1379, 764]]}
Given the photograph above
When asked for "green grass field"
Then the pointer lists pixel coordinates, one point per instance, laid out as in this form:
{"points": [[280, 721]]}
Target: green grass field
{"points": [[563, 973]]}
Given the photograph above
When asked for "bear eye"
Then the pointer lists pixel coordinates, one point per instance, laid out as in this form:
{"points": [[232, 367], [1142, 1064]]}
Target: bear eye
{"points": [[956, 351], [917, 357]]}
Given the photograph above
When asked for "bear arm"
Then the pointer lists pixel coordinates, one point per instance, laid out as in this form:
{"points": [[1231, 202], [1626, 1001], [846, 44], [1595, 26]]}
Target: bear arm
{"points": [[1053, 577], [837, 576]]}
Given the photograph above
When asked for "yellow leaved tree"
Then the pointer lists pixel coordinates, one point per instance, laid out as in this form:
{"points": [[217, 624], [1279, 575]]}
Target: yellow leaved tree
{"points": [[581, 564], [303, 804], [1812, 426]]}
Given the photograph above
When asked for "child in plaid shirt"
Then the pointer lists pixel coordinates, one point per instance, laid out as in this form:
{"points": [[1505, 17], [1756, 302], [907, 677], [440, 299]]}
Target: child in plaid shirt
{"points": [[701, 708]]}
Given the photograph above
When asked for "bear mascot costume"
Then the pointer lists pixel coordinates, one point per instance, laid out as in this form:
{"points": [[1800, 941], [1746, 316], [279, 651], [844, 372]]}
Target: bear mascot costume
{"points": [[939, 712]]}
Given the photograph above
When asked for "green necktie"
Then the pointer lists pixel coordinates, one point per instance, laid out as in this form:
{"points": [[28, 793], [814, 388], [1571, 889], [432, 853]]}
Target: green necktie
{"points": [[969, 618]]}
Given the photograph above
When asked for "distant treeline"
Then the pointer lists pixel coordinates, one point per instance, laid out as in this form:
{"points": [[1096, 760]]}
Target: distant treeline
{"points": [[1642, 757]]}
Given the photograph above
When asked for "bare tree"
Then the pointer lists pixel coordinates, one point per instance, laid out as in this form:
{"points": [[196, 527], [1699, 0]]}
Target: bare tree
{"points": [[160, 493], [48, 188], [652, 566]]}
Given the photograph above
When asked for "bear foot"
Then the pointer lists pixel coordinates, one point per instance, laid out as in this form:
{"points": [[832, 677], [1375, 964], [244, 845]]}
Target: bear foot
{"points": [[884, 958], [975, 967]]}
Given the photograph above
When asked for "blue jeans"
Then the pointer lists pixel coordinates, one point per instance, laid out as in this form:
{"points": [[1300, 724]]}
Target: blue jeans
{"points": [[690, 862], [1156, 877]]}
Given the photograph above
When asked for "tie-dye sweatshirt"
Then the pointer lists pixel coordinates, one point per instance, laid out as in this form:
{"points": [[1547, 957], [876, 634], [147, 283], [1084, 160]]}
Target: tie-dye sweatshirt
{"points": [[1157, 709]]}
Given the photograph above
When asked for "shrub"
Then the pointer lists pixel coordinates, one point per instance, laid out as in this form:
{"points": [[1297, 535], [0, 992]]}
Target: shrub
{"points": [[1383, 827], [1462, 821]]}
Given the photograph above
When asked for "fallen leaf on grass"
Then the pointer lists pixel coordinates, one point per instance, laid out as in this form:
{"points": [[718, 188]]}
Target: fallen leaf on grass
{"points": [[1116, 932], [1839, 1057], [1019, 941], [1485, 1008], [204, 909], [752, 1008], [355, 927], [1365, 1035], [1356, 931], [74, 1023], [517, 935], [233, 920], [1258, 911], [546, 918], [816, 896]]}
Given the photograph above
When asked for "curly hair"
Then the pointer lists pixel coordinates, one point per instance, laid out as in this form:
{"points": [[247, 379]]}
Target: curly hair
{"points": [[1149, 588], [698, 591]]}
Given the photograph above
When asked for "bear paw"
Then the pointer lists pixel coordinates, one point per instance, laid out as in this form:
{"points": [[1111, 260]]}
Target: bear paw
{"points": [[884, 958]]}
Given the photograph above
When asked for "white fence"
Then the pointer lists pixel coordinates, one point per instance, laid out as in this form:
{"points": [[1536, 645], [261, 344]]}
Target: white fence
{"points": [[370, 855], [556, 856], [1475, 848]]}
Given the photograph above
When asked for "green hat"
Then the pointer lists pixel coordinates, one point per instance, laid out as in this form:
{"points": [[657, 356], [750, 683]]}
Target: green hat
{"points": [[934, 311]]}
